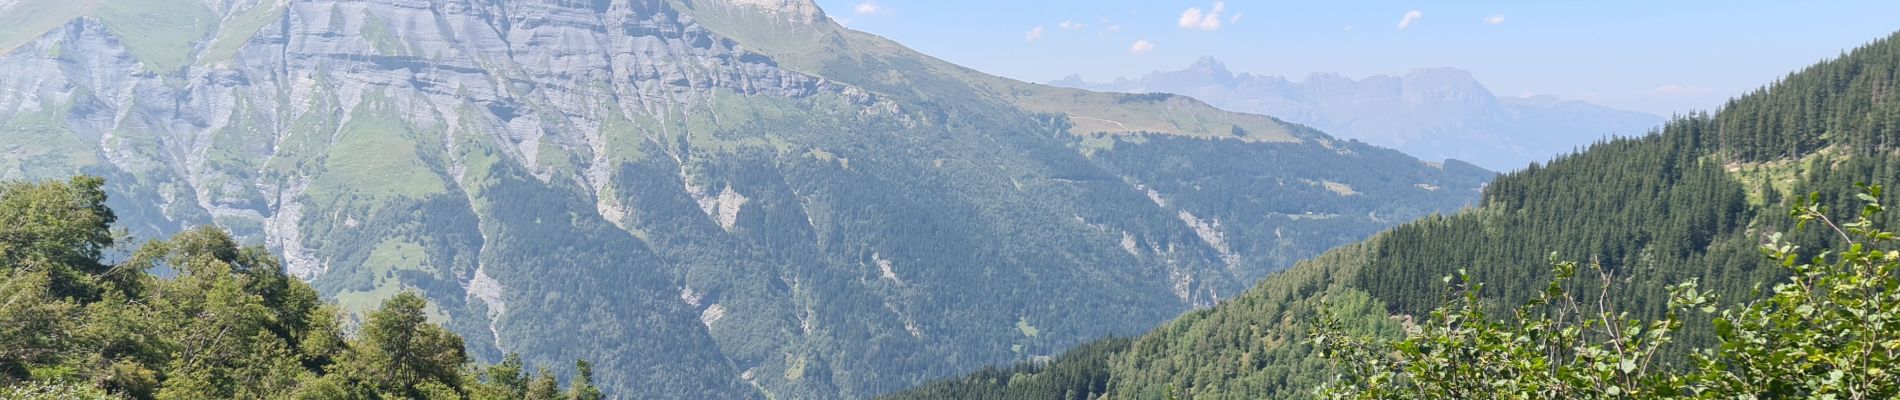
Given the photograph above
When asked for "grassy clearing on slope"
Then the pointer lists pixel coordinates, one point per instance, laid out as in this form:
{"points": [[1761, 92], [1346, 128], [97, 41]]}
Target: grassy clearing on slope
{"points": [[29, 19], [1022, 325], [300, 151], [376, 154], [39, 145], [1117, 113], [733, 116], [159, 32], [1781, 176], [379, 37], [872, 62], [384, 261], [239, 29], [241, 147], [624, 137], [1339, 188], [790, 42]]}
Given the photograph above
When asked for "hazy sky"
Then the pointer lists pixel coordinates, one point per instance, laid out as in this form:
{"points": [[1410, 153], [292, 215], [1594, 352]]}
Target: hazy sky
{"points": [[1654, 56]]}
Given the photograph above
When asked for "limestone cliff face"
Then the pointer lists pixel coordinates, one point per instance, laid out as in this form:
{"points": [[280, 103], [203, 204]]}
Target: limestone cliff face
{"points": [[516, 75], [326, 118], [643, 184]]}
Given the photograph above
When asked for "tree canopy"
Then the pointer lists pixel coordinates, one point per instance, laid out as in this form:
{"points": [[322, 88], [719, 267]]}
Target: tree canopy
{"points": [[1827, 331], [224, 322]]}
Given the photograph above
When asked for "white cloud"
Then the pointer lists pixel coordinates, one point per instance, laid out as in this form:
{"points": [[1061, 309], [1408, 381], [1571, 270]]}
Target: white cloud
{"points": [[1190, 18], [1071, 25], [1111, 30], [1494, 19], [865, 8], [1033, 34], [1141, 47], [1235, 18], [1406, 21], [1212, 22], [1679, 90], [1195, 18]]}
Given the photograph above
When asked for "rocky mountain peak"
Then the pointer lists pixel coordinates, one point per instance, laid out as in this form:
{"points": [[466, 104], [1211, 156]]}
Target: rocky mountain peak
{"points": [[1205, 71], [1441, 74], [1209, 64], [1445, 84]]}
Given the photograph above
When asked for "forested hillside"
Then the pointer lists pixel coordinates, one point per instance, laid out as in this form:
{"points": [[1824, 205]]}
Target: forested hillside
{"points": [[707, 198], [198, 317], [1692, 201]]}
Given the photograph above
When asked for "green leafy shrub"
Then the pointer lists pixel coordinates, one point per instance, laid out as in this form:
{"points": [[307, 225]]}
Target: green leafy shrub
{"points": [[1826, 332], [229, 323]]}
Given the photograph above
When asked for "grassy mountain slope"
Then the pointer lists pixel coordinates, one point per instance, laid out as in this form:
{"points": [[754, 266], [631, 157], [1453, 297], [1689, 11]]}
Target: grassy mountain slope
{"points": [[1690, 201], [734, 199], [166, 35], [887, 67]]}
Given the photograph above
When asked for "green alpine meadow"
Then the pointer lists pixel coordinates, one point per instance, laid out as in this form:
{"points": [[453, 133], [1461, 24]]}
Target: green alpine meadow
{"points": [[855, 199]]}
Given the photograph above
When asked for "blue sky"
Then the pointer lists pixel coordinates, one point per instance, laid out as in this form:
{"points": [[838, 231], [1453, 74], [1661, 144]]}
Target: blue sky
{"points": [[1653, 56]]}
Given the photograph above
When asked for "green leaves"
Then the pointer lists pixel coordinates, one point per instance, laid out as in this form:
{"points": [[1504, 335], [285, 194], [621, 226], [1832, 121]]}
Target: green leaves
{"points": [[59, 228], [1830, 332], [1824, 334], [231, 324]]}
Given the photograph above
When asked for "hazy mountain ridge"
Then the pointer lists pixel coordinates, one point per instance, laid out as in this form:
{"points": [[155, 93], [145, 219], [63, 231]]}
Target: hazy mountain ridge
{"points": [[708, 199], [1695, 201], [1431, 113]]}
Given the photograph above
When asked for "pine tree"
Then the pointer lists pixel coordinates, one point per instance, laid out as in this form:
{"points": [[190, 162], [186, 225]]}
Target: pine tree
{"points": [[582, 387]]}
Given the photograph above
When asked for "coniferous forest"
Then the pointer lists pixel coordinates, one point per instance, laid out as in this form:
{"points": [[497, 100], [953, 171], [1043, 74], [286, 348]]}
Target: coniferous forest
{"points": [[1704, 200]]}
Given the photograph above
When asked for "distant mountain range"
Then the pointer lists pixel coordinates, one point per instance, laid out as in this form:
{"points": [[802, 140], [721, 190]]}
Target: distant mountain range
{"points": [[1691, 203], [1430, 113]]}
